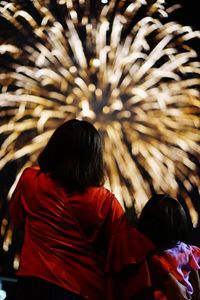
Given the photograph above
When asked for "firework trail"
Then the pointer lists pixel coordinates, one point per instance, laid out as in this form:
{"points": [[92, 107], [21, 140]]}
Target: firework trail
{"points": [[120, 65]]}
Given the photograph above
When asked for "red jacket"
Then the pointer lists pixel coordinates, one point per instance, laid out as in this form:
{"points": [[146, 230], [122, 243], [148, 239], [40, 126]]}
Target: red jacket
{"points": [[73, 241]]}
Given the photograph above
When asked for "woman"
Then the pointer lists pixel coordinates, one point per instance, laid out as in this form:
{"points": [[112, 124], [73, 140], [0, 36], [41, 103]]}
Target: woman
{"points": [[76, 232], [77, 242]]}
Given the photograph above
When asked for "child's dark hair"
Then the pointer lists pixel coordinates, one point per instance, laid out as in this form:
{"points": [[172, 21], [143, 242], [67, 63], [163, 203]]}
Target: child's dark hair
{"points": [[163, 221], [74, 156]]}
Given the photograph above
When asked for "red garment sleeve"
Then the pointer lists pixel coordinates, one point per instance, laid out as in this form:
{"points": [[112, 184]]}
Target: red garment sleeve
{"points": [[16, 208], [126, 265]]}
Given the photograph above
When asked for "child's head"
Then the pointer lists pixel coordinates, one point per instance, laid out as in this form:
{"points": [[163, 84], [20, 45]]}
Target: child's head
{"points": [[163, 221]]}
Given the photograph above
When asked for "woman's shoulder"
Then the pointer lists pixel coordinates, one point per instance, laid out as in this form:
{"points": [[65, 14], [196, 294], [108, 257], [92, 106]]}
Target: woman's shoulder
{"points": [[30, 170], [100, 191]]}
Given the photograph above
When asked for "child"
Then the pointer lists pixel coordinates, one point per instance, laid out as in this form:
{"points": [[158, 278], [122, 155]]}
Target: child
{"points": [[163, 221]]}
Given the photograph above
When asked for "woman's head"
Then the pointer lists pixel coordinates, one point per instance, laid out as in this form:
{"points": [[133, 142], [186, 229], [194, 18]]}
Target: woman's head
{"points": [[163, 221], [74, 156]]}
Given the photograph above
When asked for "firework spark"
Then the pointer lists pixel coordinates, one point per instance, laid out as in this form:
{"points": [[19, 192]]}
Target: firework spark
{"points": [[122, 66]]}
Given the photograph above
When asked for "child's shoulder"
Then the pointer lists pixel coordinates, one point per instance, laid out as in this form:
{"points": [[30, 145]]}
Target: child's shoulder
{"points": [[179, 248], [189, 247], [185, 249]]}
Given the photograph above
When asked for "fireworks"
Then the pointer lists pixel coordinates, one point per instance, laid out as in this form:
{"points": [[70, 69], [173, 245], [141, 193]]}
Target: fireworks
{"points": [[120, 65]]}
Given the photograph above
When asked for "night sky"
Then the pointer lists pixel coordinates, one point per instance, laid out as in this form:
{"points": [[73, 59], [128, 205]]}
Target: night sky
{"points": [[187, 14]]}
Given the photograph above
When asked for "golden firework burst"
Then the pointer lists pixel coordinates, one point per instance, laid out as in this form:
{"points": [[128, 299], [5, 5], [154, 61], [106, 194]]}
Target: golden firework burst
{"points": [[123, 66]]}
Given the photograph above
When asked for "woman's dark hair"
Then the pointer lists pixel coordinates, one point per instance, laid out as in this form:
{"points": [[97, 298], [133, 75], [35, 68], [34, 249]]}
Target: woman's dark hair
{"points": [[163, 221], [74, 156]]}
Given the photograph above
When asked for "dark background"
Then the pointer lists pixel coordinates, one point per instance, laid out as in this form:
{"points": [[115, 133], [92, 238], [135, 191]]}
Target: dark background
{"points": [[188, 14]]}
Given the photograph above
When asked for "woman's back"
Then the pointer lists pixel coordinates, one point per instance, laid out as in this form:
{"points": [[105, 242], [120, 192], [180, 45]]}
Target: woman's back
{"points": [[61, 231], [76, 233]]}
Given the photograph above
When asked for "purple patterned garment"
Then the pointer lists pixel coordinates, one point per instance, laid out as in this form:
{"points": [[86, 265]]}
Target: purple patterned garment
{"points": [[180, 260]]}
